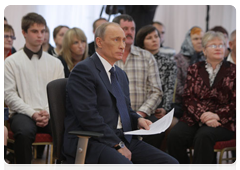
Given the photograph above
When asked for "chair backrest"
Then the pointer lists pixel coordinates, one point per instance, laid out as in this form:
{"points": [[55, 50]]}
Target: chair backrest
{"points": [[56, 91]]}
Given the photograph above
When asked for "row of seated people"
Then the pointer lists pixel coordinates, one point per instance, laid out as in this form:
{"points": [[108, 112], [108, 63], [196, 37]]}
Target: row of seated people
{"points": [[152, 74]]}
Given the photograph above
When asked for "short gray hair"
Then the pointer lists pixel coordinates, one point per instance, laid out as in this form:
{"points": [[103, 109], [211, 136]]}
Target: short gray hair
{"points": [[210, 35], [100, 31]]}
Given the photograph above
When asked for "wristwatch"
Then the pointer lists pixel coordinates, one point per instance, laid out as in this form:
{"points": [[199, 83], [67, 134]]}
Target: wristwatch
{"points": [[120, 145]]}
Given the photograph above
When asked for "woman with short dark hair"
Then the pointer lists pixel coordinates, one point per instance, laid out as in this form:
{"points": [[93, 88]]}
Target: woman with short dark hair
{"points": [[148, 38]]}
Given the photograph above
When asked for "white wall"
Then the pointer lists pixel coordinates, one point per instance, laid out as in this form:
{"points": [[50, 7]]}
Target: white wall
{"points": [[178, 19], [81, 16]]}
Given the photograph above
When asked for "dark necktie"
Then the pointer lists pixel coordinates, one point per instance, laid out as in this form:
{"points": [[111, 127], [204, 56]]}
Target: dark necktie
{"points": [[121, 104]]}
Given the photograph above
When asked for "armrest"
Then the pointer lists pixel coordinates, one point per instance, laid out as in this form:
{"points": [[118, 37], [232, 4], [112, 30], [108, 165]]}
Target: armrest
{"points": [[83, 143], [86, 133]]}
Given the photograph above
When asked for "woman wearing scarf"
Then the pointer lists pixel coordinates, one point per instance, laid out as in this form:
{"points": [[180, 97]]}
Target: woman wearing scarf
{"points": [[191, 52]]}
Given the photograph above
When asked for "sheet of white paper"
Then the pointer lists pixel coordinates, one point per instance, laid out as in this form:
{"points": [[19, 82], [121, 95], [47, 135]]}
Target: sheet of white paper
{"points": [[155, 128]]}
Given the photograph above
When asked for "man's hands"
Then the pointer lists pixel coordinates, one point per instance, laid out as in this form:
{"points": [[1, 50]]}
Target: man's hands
{"points": [[126, 152], [144, 123], [41, 118], [210, 119], [160, 112], [142, 114]]}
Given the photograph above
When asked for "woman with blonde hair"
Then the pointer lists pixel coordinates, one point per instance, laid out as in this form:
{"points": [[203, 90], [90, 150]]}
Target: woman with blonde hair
{"points": [[74, 49]]}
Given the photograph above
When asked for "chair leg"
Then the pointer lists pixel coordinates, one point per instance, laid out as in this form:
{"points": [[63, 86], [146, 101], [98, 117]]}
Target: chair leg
{"points": [[47, 154], [227, 156], [51, 155], [221, 156], [190, 155], [35, 151]]}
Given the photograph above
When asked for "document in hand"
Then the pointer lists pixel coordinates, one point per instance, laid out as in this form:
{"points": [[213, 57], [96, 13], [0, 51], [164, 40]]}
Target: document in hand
{"points": [[155, 128]]}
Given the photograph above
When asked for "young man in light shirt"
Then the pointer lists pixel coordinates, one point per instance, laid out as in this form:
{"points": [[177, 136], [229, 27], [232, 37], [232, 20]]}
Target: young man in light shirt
{"points": [[26, 75]]}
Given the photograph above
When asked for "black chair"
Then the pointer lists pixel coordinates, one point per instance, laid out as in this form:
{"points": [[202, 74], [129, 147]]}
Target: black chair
{"points": [[56, 91]]}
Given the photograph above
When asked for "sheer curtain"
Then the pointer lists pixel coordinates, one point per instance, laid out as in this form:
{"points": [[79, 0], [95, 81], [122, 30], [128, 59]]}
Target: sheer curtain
{"points": [[81, 16], [178, 19]]}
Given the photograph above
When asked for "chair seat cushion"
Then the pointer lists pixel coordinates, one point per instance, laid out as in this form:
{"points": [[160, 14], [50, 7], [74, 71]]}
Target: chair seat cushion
{"points": [[225, 144], [43, 137], [40, 137]]}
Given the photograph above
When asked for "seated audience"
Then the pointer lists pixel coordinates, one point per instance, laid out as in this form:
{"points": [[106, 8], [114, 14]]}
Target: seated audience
{"points": [[9, 36], [232, 58], [148, 38], [74, 49], [26, 75], [225, 33], [232, 45], [167, 51], [209, 104], [6, 22], [58, 34], [91, 46], [161, 29], [46, 46], [5, 141], [191, 52], [141, 69], [98, 100]]}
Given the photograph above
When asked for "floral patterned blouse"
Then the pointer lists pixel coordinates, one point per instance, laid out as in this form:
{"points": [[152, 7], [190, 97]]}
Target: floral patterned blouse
{"points": [[167, 72], [220, 98]]}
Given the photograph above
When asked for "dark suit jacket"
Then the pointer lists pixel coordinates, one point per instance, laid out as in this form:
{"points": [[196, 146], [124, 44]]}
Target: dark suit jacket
{"points": [[91, 106], [91, 49], [220, 98]]}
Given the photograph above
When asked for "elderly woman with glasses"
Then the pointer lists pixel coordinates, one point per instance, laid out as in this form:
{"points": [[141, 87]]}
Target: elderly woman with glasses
{"points": [[209, 103]]}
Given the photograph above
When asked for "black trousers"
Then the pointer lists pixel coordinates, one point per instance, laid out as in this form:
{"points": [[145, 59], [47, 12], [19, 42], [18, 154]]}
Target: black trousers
{"points": [[24, 129], [202, 138], [142, 153]]}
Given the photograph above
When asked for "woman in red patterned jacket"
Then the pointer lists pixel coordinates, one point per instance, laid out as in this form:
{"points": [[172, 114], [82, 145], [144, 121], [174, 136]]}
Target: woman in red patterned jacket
{"points": [[209, 105]]}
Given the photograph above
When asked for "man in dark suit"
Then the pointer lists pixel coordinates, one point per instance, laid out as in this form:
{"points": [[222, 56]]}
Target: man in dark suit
{"points": [[91, 106]]}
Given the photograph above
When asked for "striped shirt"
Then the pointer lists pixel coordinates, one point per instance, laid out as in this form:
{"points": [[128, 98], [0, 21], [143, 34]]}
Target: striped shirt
{"points": [[144, 82]]}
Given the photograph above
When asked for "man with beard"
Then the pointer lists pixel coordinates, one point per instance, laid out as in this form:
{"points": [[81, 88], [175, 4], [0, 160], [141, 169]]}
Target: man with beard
{"points": [[142, 71]]}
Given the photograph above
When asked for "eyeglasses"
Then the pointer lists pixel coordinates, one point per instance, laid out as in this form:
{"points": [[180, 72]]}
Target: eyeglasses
{"points": [[215, 46], [10, 36]]}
